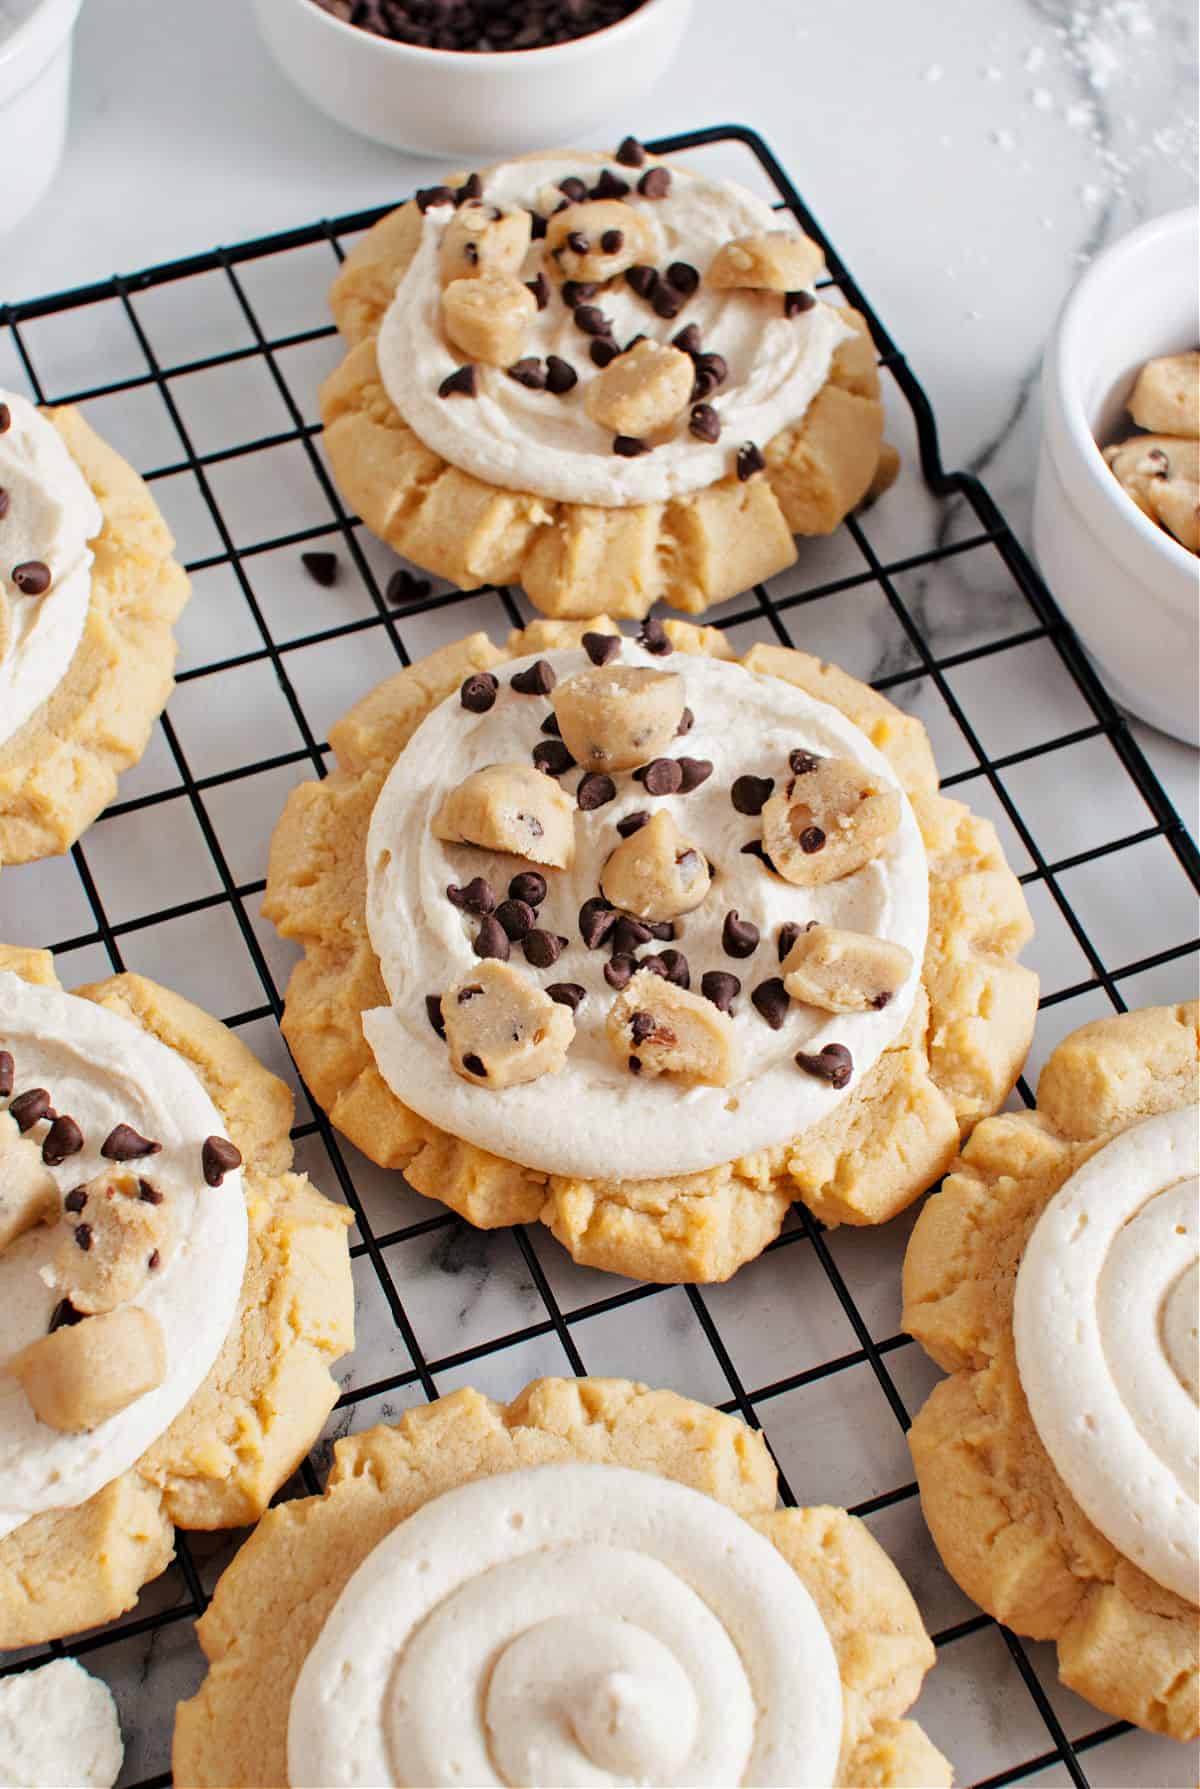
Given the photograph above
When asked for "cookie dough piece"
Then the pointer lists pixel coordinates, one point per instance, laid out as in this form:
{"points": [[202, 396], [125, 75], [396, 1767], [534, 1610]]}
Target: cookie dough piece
{"points": [[59, 1728], [487, 317], [28, 1194], [778, 261], [502, 1029], [1147, 460], [656, 873], [113, 1239], [619, 717], [829, 819], [1176, 504], [476, 241], [844, 972], [514, 808], [1166, 397], [78, 1376], [643, 391], [660, 1029], [599, 238]]}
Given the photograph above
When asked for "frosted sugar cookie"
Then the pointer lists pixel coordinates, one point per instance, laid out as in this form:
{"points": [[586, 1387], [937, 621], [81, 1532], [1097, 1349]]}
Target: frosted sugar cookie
{"points": [[88, 595], [639, 940], [1055, 1277], [172, 1297], [604, 378], [590, 1584]]}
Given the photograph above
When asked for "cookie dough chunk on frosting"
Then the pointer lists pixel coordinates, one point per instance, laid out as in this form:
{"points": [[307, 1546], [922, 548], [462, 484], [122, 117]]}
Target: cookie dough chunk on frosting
{"points": [[487, 317], [643, 391], [480, 240], [831, 817], [618, 717], [513, 808], [115, 1233], [844, 972], [657, 1028], [597, 1588], [656, 873], [501, 1030], [599, 238], [1056, 1276], [28, 1195], [777, 261], [79, 1376]]}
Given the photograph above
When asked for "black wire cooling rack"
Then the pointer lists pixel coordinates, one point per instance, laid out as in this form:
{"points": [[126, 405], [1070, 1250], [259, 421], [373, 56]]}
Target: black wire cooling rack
{"points": [[928, 594]]}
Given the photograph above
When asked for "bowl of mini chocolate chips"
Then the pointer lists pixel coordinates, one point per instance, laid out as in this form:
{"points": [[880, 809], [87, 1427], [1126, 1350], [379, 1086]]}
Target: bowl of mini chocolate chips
{"points": [[472, 78]]}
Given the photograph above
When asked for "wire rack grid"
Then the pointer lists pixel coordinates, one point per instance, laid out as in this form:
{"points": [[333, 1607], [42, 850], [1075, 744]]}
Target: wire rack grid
{"points": [[204, 372]]}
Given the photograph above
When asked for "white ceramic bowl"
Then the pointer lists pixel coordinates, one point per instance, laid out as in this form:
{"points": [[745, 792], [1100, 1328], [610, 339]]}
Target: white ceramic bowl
{"points": [[1129, 589], [452, 103], [35, 78]]}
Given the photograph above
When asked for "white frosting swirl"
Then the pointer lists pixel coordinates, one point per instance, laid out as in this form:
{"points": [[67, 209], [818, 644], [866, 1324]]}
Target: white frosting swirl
{"points": [[50, 517], [563, 1625], [104, 1071], [58, 1729], [534, 441], [593, 1118], [1106, 1322]]}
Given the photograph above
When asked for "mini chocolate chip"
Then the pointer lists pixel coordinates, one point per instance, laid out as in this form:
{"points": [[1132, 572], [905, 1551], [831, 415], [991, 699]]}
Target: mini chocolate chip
{"points": [[833, 1064], [600, 648], [404, 587], [662, 776], [219, 1158], [750, 794], [694, 771], [620, 972], [602, 352], [541, 948], [29, 1108], [595, 790], [536, 680], [429, 196], [677, 968], [63, 1139], [5, 419], [322, 568], [643, 279], [612, 241], [803, 763], [76, 1199], [537, 233], [641, 1026], [65, 1316], [755, 848], [460, 384], [631, 154], [577, 292], [704, 423], [528, 372], [703, 386], [879, 1001], [720, 987], [684, 277], [31, 578], [573, 188], [516, 917], [687, 721], [471, 188], [155, 1261], [552, 756], [475, 896], [550, 725], [629, 935], [591, 320], [83, 1237], [654, 637], [796, 303], [578, 243], [812, 840], [609, 186], [474, 1065], [629, 447], [739, 937], [688, 339], [749, 461], [666, 302], [540, 287], [633, 823], [655, 183], [5, 500], [124, 1144], [771, 999], [491, 940], [660, 928], [714, 367], [561, 376], [8, 1069], [788, 934], [478, 692], [529, 887], [567, 993], [466, 995], [596, 921], [149, 1195], [654, 965], [635, 1067]]}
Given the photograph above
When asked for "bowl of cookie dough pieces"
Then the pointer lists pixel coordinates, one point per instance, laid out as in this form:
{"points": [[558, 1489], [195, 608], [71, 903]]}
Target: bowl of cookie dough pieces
{"points": [[1115, 508]]}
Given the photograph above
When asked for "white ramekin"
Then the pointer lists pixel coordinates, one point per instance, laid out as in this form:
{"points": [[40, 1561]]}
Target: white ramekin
{"points": [[35, 78], [1129, 589], [451, 103]]}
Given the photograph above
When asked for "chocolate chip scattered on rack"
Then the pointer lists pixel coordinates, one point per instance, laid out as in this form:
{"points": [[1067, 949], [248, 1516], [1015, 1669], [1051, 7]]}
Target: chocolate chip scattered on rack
{"points": [[404, 587], [124, 1144], [322, 568], [218, 1157]]}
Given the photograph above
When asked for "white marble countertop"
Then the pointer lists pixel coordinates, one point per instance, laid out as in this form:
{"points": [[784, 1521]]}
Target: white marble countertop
{"points": [[967, 161]]}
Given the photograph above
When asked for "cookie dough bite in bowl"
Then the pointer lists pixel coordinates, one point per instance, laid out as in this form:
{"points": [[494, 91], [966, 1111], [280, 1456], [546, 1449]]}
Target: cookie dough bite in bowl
{"points": [[602, 377], [88, 596], [172, 1296], [628, 936], [1055, 1278], [590, 1584]]}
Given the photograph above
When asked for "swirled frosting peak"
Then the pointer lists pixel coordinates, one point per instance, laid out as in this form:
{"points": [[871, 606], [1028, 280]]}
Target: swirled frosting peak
{"points": [[563, 1625]]}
